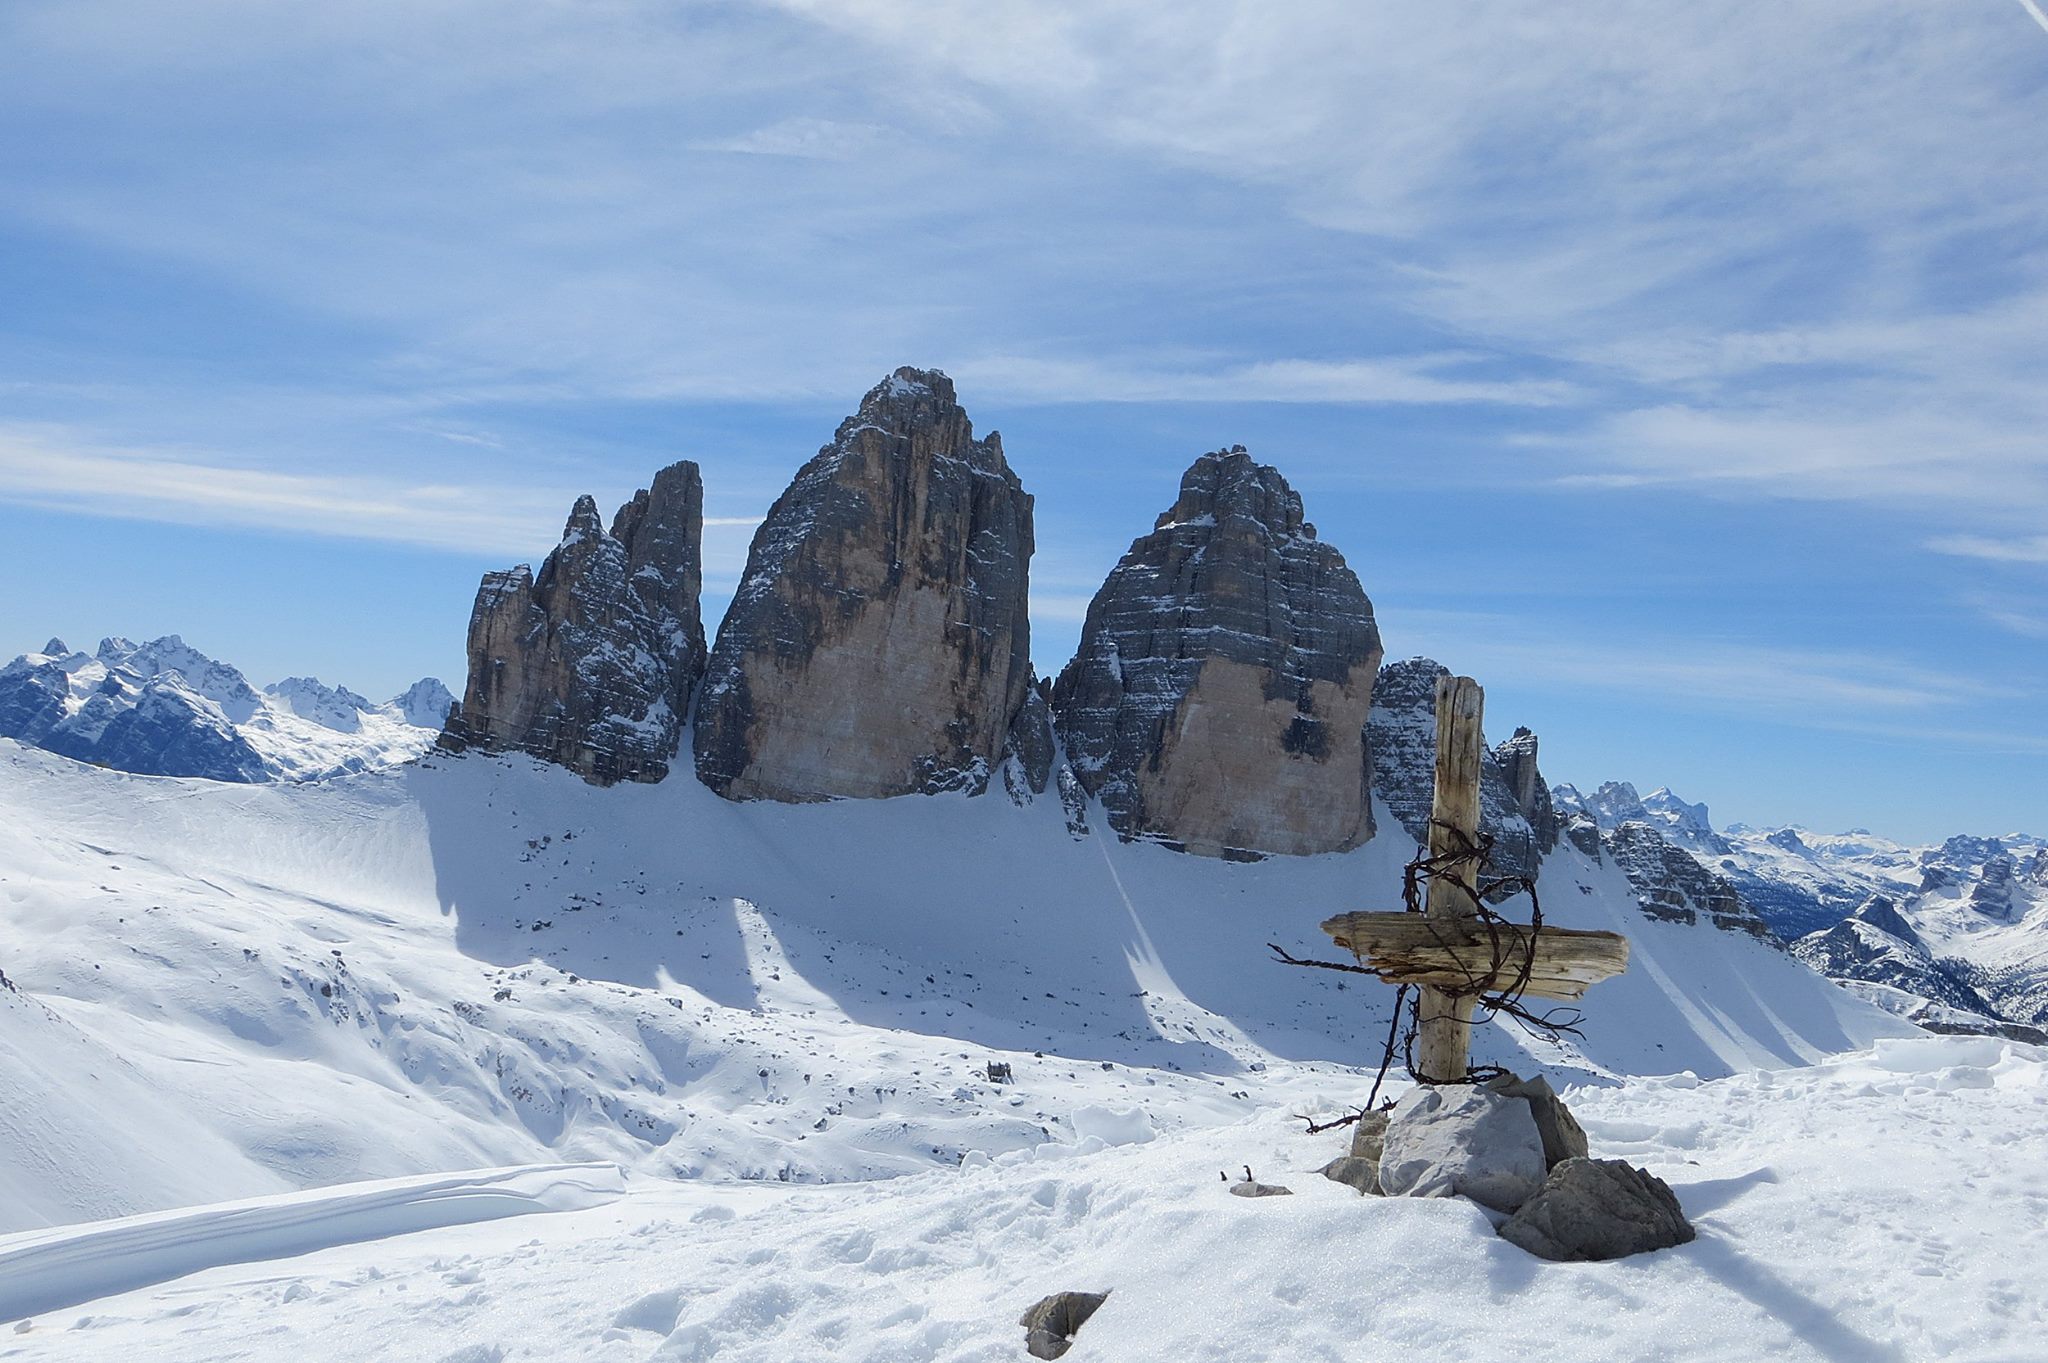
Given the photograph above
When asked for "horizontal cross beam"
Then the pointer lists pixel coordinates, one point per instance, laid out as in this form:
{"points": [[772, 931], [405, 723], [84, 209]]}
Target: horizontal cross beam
{"points": [[1463, 957]]}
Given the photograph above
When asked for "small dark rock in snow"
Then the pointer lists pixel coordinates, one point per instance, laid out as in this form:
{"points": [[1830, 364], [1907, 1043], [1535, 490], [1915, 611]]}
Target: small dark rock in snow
{"points": [[1259, 1190], [1050, 1325], [1598, 1209]]}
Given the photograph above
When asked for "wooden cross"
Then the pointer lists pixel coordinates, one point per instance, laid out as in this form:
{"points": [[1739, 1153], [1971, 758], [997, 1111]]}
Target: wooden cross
{"points": [[1446, 949]]}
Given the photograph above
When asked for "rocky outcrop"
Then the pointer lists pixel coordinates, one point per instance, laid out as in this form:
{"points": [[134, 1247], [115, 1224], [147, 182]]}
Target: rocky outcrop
{"points": [[878, 644], [1671, 884], [1401, 734], [1051, 1324], [590, 663], [1218, 700], [1876, 945], [1993, 895], [1030, 749], [1594, 1210], [1462, 1141]]}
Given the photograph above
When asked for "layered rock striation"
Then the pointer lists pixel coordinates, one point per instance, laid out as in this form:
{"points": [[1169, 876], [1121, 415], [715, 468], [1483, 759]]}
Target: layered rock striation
{"points": [[591, 662], [879, 643], [1514, 804], [1218, 699]]}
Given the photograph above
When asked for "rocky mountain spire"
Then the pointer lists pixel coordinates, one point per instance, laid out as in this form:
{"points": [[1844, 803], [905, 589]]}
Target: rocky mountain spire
{"points": [[1219, 696], [591, 663], [879, 643]]}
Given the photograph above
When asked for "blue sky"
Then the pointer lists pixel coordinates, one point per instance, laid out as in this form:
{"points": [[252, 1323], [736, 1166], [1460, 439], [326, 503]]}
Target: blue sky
{"points": [[1679, 371]]}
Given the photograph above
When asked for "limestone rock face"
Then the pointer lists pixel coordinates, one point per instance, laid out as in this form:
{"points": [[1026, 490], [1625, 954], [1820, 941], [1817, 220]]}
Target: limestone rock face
{"points": [[878, 644], [1671, 884], [591, 663], [1030, 748], [1464, 1142], [1218, 700], [1514, 804]]}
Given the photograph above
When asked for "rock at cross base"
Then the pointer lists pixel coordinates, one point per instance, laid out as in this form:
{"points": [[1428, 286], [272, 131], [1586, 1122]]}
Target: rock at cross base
{"points": [[1563, 1137], [1353, 1172], [1463, 1142], [1598, 1209], [1369, 1135], [1360, 1168], [1049, 1326]]}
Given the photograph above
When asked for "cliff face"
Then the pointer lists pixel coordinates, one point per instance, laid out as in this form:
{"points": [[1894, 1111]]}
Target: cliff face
{"points": [[879, 643], [1514, 804], [590, 664], [1218, 699]]}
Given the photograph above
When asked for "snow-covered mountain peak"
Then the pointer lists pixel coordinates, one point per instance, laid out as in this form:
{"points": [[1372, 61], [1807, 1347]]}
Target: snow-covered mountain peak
{"points": [[332, 707], [425, 703], [164, 708]]}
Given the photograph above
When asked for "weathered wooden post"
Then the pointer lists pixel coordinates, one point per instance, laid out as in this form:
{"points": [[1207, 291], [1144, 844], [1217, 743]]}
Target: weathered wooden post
{"points": [[1443, 1032], [1450, 950]]}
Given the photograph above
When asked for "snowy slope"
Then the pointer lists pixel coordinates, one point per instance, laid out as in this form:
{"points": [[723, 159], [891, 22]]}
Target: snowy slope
{"points": [[164, 708], [1829, 1232], [483, 961]]}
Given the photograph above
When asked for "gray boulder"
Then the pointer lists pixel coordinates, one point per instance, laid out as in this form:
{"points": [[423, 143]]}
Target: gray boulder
{"points": [[1350, 1170], [878, 644], [590, 663], [1593, 1209], [1369, 1135], [1218, 700], [1563, 1137], [1463, 1141], [1050, 1325]]}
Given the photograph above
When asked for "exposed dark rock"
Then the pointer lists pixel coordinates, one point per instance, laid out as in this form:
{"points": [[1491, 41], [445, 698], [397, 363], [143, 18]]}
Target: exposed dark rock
{"points": [[878, 644], [1992, 895], [1581, 832], [1516, 759], [1050, 1326], [591, 663], [1030, 748], [1596, 1210], [1876, 945], [1226, 666], [1671, 884], [1401, 734]]}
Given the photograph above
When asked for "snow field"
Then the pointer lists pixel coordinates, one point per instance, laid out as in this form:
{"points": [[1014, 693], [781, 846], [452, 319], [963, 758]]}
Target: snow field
{"points": [[1886, 1205], [484, 962]]}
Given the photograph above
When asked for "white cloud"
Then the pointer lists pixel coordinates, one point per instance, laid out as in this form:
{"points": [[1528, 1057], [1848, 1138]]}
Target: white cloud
{"points": [[2023, 549], [55, 468], [1399, 380]]}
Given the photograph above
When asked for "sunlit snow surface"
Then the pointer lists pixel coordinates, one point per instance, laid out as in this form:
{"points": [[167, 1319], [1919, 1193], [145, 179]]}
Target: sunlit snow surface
{"points": [[1884, 1206], [228, 992]]}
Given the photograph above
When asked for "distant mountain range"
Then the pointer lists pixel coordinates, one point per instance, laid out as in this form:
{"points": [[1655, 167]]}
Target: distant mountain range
{"points": [[163, 708], [1953, 935]]}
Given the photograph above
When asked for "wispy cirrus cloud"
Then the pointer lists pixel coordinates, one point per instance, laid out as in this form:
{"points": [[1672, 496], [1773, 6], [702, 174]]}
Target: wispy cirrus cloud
{"points": [[52, 468]]}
